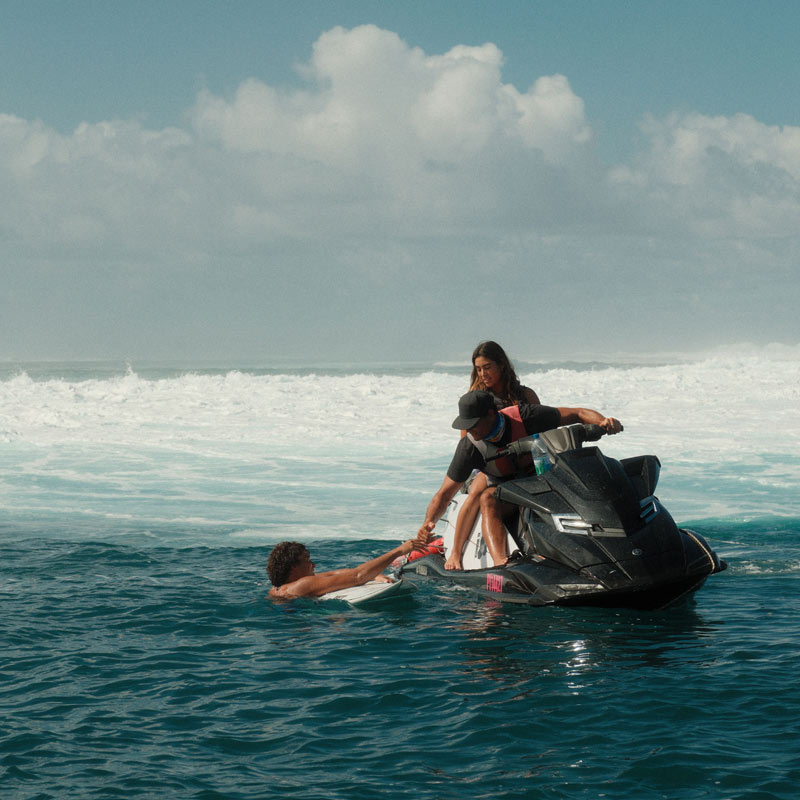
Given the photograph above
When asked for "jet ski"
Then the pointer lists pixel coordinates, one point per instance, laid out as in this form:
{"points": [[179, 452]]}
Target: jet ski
{"points": [[587, 531]]}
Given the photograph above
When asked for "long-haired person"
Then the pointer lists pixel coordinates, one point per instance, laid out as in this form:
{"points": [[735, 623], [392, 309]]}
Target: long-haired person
{"points": [[492, 371]]}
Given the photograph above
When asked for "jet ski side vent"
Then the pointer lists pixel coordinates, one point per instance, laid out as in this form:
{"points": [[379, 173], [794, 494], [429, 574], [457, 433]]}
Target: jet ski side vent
{"points": [[572, 523], [650, 508]]}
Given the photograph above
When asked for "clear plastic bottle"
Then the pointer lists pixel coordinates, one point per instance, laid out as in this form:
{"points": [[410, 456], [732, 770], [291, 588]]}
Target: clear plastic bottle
{"points": [[541, 456]]}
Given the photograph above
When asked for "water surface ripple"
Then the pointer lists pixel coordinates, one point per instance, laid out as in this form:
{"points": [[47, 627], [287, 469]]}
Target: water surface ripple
{"points": [[141, 672]]}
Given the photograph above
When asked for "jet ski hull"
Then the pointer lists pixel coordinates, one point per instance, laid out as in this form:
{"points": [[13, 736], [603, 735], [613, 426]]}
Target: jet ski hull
{"points": [[539, 584], [590, 532]]}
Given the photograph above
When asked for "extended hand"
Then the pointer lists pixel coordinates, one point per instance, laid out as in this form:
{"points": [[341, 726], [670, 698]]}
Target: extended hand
{"points": [[611, 425], [420, 544], [425, 532]]}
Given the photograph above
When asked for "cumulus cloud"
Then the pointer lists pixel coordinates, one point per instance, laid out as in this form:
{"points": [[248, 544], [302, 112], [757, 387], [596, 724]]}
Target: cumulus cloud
{"points": [[400, 138], [393, 171], [718, 176], [379, 137], [112, 185], [374, 100], [383, 138]]}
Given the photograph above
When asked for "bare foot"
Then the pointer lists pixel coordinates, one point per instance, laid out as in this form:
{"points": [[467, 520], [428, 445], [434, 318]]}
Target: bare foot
{"points": [[453, 563], [383, 579]]}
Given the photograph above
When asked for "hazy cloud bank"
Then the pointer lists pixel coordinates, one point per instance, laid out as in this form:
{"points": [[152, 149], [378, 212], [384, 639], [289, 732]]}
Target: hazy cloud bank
{"points": [[388, 175]]}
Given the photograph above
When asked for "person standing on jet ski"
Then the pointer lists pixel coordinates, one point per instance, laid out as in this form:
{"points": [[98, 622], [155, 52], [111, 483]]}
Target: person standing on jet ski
{"points": [[489, 430]]}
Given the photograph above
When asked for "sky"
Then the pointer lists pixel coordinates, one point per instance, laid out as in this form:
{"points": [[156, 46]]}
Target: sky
{"points": [[365, 181]]}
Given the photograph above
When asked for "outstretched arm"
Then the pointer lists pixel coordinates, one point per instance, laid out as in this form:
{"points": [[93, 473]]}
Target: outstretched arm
{"points": [[590, 417], [437, 506], [316, 585]]}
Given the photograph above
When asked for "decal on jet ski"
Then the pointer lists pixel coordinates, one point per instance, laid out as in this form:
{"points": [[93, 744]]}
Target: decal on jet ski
{"points": [[494, 583]]}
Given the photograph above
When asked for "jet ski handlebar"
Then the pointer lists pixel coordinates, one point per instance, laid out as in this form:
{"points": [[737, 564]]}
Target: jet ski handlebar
{"points": [[592, 433], [580, 432]]}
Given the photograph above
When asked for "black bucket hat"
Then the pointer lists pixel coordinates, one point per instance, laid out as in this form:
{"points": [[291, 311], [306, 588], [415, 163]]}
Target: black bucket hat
{"points": [[471, 407]]}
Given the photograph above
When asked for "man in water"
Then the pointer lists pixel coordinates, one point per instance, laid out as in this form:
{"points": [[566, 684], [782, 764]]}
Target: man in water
{"points": [[291, 570], [489, 430]]}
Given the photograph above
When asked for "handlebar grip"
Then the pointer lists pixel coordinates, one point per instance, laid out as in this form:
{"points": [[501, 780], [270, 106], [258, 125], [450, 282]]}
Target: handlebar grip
{"points": [[593, 432]]}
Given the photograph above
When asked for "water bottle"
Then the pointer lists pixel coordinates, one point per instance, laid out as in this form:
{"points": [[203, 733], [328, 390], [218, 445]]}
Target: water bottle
{"points": [[541, 456]]}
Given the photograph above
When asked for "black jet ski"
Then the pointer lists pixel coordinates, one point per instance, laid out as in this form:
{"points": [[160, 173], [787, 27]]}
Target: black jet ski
{"points": [[587, 531]]}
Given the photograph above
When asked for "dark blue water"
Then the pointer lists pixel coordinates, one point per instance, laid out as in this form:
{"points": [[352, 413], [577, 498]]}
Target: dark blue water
{"points": [[149, 671]]}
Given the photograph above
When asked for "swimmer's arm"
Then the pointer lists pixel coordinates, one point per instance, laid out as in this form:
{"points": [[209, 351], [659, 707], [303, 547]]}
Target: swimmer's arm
{"points": [[317, 585]]}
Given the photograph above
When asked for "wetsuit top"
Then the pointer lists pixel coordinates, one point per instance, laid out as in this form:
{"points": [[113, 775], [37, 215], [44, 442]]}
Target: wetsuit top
{"points": [[500, 402], [467, 457]]}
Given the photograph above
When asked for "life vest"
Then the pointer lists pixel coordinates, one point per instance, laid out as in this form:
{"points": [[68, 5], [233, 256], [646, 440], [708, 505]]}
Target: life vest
{"points": [[501, 467]]}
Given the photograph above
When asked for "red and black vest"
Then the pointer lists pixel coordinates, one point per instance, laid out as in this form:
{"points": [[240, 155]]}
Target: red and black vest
{"points": [[501, 467]]}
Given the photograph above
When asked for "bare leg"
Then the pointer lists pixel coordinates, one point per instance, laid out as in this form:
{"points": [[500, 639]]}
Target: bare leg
{"points": [[494, 532], [465, 521]]}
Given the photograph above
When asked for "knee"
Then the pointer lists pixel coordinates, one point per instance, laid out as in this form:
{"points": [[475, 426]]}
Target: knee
{"points": [[478, 485], [488, 500]]}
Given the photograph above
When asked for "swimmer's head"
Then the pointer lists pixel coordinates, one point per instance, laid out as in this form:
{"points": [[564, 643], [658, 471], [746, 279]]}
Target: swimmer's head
{"points": [[284, 558]]}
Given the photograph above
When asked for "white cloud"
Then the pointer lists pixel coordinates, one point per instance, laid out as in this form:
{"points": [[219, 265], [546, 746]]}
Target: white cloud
{"points": [[718, 176], [385, 138], [684, 144], [398, 139], [374, 100], [395, 172], [113, 186]]}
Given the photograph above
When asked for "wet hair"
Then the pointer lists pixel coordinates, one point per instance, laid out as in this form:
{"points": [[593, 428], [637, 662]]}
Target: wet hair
{"points": [[283, 558], [512, 389]]}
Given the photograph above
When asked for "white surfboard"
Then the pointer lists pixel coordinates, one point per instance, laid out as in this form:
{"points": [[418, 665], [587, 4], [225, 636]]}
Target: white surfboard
{"points": [[368, 592]]}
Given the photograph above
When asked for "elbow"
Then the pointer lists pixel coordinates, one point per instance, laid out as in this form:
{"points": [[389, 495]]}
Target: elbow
{"points": [[359, 576]]}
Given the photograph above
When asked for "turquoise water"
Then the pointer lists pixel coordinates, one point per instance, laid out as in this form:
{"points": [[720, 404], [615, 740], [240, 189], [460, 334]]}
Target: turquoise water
{"points": [[140, 657], [134, 672]]}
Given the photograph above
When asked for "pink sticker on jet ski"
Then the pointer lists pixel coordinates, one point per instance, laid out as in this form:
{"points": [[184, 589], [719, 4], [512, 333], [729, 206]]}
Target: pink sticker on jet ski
{"points": [[494, 583]]}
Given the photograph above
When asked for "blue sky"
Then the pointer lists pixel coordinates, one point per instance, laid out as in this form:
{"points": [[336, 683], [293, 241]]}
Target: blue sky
{"points": [[70, 62], [371, 180]]}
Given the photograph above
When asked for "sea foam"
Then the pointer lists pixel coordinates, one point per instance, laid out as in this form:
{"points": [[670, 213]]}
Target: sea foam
{"points": [[356, 451]]}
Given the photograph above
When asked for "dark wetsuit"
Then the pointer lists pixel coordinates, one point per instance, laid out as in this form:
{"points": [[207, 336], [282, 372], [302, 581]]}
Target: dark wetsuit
{"points": [[467, 457]]}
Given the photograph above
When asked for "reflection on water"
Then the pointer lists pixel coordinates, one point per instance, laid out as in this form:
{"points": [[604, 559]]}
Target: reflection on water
{"points": [[513, 644], [446, 693]]}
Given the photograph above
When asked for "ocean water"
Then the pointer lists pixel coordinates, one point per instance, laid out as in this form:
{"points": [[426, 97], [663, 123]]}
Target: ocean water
{"points": [[139, 656]]}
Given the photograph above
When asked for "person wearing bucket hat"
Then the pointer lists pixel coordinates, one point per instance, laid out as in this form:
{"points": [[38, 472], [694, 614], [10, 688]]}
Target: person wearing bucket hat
{"points": [[492, 371], [471, 407], [489, 430]]}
